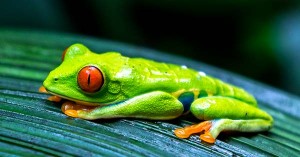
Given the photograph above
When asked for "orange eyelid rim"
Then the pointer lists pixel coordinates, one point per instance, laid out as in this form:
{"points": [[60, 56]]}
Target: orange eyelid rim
{"points": [[63, 54], [90, 79]]}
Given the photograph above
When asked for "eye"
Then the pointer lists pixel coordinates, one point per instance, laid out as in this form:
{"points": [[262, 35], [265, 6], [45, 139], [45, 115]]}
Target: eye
{"points": [[90, 79], [63, 54]]}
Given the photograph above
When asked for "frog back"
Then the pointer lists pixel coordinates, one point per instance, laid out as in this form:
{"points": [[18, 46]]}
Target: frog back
{"points": [[167, 77], [138, 76], [180, 80]]}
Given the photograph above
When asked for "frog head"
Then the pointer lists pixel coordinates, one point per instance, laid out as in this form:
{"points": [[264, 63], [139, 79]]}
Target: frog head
{"points": [[85, 77]]}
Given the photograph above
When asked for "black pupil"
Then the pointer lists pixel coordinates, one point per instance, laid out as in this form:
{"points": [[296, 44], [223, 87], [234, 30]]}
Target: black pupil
{"points": [[89, 79]]}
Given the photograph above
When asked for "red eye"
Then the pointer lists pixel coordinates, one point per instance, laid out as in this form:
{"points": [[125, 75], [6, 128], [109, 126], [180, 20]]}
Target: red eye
{"points": [[90, 79], [63, 54]]}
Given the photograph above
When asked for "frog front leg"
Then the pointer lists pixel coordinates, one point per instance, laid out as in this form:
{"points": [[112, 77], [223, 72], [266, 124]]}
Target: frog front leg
{"points": [[154, 105], [224, 114]]}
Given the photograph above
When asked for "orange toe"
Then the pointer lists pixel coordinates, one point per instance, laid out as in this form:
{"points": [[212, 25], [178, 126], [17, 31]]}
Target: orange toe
{"points": [[180, 133], [54, 98], [71, 113], [207, 137], [69, 109], [42, 89], [68, 105]]}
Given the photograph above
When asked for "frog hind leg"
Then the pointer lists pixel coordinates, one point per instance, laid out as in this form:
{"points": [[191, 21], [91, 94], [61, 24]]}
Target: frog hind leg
{"points": [[224, 114]]}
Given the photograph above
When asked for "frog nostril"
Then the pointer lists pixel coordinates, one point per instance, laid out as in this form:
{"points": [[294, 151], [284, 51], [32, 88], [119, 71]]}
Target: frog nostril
{"points": [[55, 79]]}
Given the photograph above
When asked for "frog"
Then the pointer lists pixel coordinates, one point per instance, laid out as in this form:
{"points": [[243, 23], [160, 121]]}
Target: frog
{"points": [[109, 85]]}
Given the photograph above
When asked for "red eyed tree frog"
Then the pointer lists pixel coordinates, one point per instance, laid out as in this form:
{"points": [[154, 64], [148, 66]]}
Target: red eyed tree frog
{"points": [[109, 85]]}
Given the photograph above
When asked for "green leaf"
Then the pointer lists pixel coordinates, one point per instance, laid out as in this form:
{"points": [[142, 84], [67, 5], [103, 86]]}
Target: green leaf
{"points": [[33, 126]]}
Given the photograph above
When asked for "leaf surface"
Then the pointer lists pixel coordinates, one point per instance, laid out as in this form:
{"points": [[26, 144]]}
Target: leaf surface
{"points": [[33, 126]]}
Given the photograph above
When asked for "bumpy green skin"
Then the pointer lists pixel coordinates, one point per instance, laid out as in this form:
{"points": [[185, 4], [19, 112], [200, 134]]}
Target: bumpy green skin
{"points": [[141, 88]]}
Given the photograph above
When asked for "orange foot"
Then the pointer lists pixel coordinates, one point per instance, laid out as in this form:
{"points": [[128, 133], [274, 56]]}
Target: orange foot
{"points": [[54, 98], [42, 89], [71, 108], [197, 128]]}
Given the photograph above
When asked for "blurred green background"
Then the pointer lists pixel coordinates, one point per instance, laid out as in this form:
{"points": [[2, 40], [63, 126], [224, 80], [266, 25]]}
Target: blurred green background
{"points": [[259, 39]]}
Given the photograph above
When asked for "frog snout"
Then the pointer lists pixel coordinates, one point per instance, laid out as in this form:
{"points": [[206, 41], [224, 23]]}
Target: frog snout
{"points": [[51, 80]]}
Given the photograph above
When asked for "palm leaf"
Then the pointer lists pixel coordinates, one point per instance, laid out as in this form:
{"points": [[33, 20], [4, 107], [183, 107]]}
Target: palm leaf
{"points": [[33, 126]]}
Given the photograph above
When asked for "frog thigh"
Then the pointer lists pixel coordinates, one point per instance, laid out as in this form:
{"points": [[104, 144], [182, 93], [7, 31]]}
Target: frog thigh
{"points": [[218, 107], [154, 105]]}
